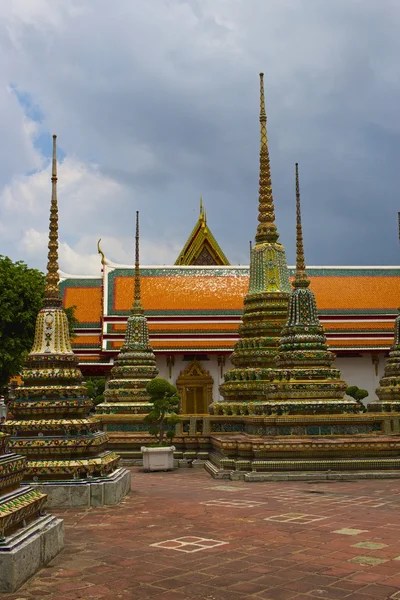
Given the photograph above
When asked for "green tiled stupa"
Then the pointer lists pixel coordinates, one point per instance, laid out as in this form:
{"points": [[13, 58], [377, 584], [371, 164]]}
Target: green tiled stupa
{"points": [[135, 364], [265, 304], [305, 381]]}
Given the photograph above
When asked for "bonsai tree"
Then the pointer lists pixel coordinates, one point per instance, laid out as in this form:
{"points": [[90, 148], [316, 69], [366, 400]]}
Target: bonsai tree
{"points": [[357, 393], [165, 399]]}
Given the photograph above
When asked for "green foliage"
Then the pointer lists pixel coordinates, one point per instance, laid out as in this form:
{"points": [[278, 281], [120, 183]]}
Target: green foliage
{"points": [[158, 387], [165, 399], [95, 386], [98, 400], [72, 320], [22, 292], [358, 394], [351, 391], [21, 298]]}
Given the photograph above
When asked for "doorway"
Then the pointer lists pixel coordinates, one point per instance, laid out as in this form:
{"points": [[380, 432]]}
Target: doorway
{"points": [[195, 388]]}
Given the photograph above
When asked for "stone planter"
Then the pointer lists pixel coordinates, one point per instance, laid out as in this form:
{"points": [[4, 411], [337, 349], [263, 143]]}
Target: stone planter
{"points": [[158, 458]]}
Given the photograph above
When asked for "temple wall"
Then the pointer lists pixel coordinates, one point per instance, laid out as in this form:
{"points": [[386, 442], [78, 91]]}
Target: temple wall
{"points": [[356, 370], [360, 371], [180, 365]]}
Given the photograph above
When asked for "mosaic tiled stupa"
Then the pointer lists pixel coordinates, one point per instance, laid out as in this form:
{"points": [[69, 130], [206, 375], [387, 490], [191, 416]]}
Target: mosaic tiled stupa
{"points": [[265, 304], [135, 364], [50, 423], [305, 381], [388, 391], [24, 528]]}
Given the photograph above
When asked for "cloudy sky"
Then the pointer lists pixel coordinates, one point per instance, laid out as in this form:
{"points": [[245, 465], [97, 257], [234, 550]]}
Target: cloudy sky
{"points": [[156, 102]]}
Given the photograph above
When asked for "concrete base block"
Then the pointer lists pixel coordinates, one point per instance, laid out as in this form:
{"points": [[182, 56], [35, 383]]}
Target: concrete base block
{"points": [[28, 550], [215, 472], [198, 463], [102, 491]]}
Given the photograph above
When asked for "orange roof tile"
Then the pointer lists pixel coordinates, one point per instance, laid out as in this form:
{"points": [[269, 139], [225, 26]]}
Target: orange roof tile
{"points": [[178, 327], [364, 326], [87, 301], [360, 343], [360, 292], [229, 344], [83, 340], [183, 293], [227, 292]]}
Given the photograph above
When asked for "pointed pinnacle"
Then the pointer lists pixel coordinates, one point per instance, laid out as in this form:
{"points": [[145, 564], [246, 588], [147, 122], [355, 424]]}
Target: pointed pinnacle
{"points": [[301, 280], [266, 230], [52, 294], [137, 308]]}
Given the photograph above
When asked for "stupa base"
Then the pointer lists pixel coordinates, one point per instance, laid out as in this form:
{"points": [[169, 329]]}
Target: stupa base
{"points": [[29, 549], [88, 492], [106, 409], [285, 407], [305, 475], [256, 458]]}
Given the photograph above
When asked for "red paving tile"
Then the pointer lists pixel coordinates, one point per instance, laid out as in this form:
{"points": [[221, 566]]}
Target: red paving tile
{"points": [[109, 553]]}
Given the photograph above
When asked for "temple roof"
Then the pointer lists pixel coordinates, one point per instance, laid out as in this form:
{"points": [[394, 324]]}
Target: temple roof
{"points": [[199, 308], [201, 247]]}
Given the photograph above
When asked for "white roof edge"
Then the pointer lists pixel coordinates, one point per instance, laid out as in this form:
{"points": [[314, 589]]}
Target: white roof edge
{"points": [[64, 276]]}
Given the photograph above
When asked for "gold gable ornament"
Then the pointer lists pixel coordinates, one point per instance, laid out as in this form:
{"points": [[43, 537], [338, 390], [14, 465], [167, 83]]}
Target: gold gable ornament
{"points": [[201, 248]]}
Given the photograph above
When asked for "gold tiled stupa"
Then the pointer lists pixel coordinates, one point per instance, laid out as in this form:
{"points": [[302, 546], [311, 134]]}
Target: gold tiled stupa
{"points": [[388, 391], [265, 304], [135, 364], [305, 381], [50, 423]]}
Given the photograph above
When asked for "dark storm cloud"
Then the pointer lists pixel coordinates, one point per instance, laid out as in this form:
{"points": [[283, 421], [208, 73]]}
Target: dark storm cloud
{"points": [[163, 96]]}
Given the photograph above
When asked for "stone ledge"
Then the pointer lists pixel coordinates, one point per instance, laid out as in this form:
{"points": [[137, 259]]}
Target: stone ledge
{"points": [[103, 491], [327, 476], [28, 550]]}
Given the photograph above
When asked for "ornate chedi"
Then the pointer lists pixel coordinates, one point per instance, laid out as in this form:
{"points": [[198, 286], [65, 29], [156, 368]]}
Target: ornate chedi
{"points": [[388, 391], [50, 423], [265, 304], [135, 365], [24, 528], [305, 381]]}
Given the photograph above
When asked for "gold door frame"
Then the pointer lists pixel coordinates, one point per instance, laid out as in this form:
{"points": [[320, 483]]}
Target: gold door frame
{"points": [[194, 375]]}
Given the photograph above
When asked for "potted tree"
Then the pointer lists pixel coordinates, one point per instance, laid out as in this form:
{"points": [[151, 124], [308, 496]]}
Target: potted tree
{"points": [[161, 420]]}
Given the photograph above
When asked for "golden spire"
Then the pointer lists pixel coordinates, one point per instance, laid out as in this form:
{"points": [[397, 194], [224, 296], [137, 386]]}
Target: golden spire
{"points": [[202, 217], [301, 280], [52, 295], [137, 308], [266, 230]]}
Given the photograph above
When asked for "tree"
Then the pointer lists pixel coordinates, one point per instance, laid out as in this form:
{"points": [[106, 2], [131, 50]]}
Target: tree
{"points": [[357, 393], [21, 298], [72, 320], [95, 388], [165, 399], [22, 292]]}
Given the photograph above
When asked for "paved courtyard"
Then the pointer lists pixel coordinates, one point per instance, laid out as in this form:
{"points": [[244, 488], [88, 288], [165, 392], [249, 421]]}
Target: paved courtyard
{"points": [[183, 535]]}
